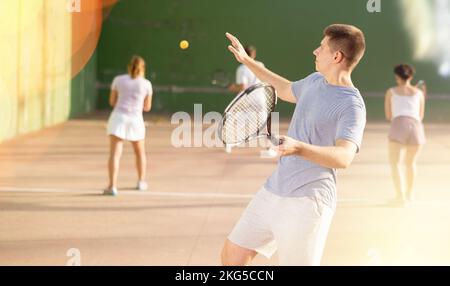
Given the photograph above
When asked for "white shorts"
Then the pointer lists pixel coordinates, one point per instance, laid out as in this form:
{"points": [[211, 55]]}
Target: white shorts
{"points": [[128, 127], [296, 227]]}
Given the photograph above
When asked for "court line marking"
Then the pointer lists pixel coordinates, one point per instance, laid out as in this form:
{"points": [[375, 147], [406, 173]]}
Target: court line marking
{"points": [[200, 195], [127, 192]]}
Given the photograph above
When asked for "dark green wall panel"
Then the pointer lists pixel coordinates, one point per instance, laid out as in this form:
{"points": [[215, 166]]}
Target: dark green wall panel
{"points": [[285, 33], [83, 90]]}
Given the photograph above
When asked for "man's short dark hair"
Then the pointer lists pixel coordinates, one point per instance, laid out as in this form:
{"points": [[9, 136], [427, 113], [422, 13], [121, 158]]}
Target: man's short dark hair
{"points": [[348, 40]]}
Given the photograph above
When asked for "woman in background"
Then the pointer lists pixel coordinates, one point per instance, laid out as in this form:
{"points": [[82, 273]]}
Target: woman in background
{"points": [[131, 94], [404, 108]]}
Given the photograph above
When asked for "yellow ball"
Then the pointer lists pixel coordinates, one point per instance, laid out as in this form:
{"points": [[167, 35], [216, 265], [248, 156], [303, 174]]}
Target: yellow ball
{"points": [[184, 45]]}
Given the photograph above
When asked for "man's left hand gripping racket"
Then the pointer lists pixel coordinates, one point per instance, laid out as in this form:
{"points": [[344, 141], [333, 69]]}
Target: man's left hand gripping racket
{"points": [[248, 116]]}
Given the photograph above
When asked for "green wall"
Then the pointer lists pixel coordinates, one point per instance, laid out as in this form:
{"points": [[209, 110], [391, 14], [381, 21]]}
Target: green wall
{"points": [[35, 65], [36, 88], [83, 89], [285, 33]]}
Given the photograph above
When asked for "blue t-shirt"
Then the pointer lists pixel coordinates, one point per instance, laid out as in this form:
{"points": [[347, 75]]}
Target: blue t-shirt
{"points": [[324, 113]]}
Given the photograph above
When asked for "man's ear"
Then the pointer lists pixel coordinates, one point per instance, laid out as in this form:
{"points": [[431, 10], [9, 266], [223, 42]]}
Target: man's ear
{"points": [[338, 57]]}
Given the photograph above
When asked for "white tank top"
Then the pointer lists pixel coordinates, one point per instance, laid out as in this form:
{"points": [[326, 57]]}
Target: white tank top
{"points": [[406, 105]]}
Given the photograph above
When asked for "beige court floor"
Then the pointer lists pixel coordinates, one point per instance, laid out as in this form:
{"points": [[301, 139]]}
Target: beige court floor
{"points": [[51, 202]]}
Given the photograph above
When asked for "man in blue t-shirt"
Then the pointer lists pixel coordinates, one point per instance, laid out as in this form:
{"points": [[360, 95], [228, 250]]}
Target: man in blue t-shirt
{"points": [[292, 212]]}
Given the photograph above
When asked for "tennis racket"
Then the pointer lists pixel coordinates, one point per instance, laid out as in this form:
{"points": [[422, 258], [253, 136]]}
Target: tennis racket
{"points": [[220, 78], [420, 84], [423, 87], [248, 116]]}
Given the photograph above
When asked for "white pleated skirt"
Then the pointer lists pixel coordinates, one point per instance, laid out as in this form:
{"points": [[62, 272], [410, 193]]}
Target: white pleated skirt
{"points": [[126, 126]]}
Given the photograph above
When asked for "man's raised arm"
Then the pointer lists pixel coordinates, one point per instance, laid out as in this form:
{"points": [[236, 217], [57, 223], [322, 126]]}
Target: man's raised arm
{"points": [[281, 85]]}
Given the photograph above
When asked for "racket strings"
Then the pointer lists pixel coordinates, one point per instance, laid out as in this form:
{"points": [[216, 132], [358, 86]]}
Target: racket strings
{"points": [[248, 115]]}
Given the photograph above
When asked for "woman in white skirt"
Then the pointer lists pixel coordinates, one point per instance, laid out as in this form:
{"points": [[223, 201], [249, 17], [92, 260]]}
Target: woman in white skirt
{"points": [[131, 94], [404, 108]]}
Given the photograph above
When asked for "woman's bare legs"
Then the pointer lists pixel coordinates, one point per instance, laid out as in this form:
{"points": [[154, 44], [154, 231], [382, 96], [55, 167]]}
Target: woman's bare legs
{"points": [[412, 153], [116, 148], [395, 156], [141, 160]]}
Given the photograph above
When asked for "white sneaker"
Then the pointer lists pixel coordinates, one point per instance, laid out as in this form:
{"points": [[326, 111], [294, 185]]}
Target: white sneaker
{"points": [[268, 154], [142, 186], [228, 149], [110, 192]]}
